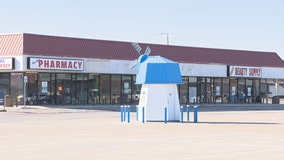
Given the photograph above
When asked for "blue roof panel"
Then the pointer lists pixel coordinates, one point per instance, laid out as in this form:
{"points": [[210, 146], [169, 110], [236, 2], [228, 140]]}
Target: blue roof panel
{"points": [[158, 70]]}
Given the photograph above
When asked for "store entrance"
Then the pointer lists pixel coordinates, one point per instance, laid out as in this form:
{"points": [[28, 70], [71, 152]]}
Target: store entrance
{"points": [[66, 89], [71, 89]]}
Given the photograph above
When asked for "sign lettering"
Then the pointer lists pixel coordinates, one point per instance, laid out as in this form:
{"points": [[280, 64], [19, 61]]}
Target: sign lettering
{"points": [[243, 71], [6, 63], [56, 64]]}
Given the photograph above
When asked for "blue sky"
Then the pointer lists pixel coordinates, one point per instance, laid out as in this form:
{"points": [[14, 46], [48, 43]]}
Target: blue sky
{"points": [[230, 24]]}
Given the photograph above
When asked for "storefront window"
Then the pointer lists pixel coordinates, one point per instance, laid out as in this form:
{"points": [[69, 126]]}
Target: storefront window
{"points": [[63, 86], [256, 84], [209, 90], [53, 91], [263, 91], [226, 90], [136, 88], [4, 86], [183, 94], [217, 90], [79, 83], [4, 83], [44, 89], [93, 89], [233, 91], [205, 90], [115, 88], [126, 96], [249, 91], [192, 89], [105, 89], [17, 87], [242, 92], [32, 84], [201, 90]]}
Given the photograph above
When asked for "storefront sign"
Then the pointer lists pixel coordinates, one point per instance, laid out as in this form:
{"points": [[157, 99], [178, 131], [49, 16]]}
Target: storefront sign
{"points": [[7, 63], [243, 71], [56, 64]]}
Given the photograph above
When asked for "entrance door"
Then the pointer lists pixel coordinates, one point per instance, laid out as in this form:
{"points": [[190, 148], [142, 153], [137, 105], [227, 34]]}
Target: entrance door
{"points": [[63, 85]]}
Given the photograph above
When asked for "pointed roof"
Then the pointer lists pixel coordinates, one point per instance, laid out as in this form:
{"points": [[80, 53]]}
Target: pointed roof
{"points": [[158, 70]]}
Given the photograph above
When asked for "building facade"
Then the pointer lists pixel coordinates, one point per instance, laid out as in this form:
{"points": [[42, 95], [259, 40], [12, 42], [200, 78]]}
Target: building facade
{"points": [[61, 71]]}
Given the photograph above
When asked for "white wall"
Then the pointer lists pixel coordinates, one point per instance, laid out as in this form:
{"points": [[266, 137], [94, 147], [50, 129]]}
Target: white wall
{"points": [[121, 67], [108, 66], [154, 97], [274, 73], [203, 70]]}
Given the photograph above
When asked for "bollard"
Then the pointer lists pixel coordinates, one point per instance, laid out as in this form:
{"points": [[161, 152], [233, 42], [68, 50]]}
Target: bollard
{"points": [[181, 114], [121, 113], [137, 109], [187, 112], [124, 113], [166, 113], [195, 109], [143, 114], [128, 113]]}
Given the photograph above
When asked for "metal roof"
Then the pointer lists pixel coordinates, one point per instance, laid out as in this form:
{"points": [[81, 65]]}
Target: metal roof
{"points": [[158, 70], [43, 45]]}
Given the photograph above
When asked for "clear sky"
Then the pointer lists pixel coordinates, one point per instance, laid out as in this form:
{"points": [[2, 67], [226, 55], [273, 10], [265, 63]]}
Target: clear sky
{"points": [[230, 24]]}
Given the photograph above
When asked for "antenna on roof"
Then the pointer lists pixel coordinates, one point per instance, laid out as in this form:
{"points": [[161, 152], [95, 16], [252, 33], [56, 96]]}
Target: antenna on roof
{"points": [[167, 35]]}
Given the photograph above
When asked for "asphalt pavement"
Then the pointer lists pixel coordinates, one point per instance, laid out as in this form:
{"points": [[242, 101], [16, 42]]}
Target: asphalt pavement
{"points": [[227, 131]]}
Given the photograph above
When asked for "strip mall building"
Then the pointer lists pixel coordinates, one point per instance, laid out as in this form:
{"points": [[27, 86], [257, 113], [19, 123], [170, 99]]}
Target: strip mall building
{"points": [[63, 70]]}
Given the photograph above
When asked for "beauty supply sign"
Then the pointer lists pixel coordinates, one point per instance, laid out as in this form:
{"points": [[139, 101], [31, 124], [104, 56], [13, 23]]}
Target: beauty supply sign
{"points": [[7, 63], [244, 71], [56, 64]]}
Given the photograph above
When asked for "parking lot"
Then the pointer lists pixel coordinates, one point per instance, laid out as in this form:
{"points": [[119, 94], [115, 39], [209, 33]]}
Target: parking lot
{"points": [[37, 132]]}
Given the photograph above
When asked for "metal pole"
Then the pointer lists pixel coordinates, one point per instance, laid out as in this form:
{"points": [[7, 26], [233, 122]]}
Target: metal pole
{"points": [[24, 94], [128, 113], [124, 112], [143, 115], [187, 111], [121, 113], [166, 113], [137, 110], [181, 114], [195, 108], [168, 41]]}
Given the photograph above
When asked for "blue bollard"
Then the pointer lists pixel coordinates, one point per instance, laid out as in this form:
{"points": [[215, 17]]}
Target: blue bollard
{"points": [[187, 112], [195, 109], [128, 113], [121, 113], [124, 113], [181, 114], [166, 114], [137, 109], [143, 114]]}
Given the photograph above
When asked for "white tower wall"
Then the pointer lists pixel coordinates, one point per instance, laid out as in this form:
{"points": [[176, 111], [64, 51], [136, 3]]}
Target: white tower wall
{"points": [[154, 98]]}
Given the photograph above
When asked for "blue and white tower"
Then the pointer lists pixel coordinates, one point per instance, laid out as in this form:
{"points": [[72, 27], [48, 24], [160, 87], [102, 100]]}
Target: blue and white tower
{"points": [[159, 78]]}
